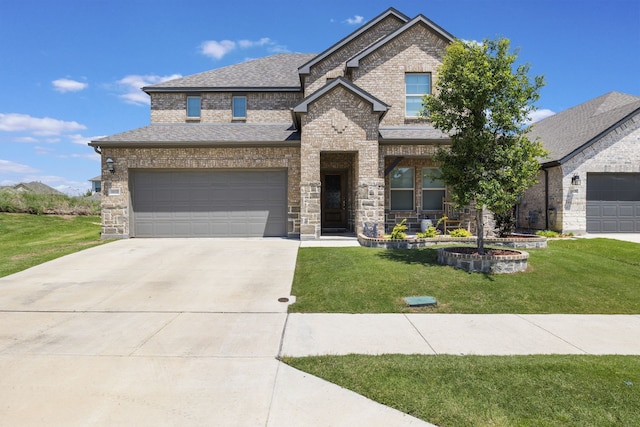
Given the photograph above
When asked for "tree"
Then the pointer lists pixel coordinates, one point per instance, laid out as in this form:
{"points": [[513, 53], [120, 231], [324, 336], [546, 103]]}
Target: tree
{"points": [[482, 100]]}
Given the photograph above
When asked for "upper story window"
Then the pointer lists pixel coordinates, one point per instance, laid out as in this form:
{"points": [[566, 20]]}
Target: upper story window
{"points": [[416, 86], [433, 189], [401, 180], [193, 107], [239, 107]]}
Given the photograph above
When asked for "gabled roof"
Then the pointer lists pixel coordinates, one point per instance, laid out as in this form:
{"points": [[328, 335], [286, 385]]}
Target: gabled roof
{"points": [[376, 104], [306, 68], [203, 134], [276, 72], [569, 132], [35, 187], [420, 19]]}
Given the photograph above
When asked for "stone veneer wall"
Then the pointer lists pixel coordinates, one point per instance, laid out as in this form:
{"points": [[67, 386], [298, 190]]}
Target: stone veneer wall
{"points": [[116, 209], [417, 50], [262, 107], [340, 122], [617, 151], [333, 65]]}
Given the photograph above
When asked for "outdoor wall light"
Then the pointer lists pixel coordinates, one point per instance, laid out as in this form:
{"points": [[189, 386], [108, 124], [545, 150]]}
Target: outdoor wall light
{"points": [[575, 180], [110, 163]]}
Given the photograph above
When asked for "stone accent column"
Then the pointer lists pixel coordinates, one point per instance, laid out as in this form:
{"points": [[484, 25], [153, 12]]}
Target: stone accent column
{"points": [[310, 210], [370, 204]]}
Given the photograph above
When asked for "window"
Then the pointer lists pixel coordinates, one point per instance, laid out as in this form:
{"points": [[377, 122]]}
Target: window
{"points": [[433, 189], [416, 86], [401, 180], [239, 107], [193, 107]]}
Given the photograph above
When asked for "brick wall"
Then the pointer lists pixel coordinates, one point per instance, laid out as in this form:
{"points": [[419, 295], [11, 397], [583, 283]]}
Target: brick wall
{"points": [[417, 50], [333, 65], [116, 208], [262, 107]]}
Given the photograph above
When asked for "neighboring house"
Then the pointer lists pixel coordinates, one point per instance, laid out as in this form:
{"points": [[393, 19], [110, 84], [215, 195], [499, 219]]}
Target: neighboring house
{"points": [[287, 145], [34, 187], [590, 183], [96, 184]]}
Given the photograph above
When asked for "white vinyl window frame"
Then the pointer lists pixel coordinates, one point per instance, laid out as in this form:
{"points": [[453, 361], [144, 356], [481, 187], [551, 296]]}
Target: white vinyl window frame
{"points": [[239, 107], [402, 187], [416, 86], [434, 190], [193, 106]]}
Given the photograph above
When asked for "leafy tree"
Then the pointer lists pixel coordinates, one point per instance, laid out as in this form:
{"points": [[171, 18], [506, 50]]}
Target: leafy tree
{"points": [[482, 100]]}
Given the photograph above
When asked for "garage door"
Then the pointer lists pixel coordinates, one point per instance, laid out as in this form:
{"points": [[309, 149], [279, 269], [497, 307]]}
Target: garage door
{"points": [[212, 203], [613, 203]]}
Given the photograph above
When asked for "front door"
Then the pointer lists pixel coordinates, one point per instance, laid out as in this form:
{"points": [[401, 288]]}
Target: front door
{"points": [[334, 201]]}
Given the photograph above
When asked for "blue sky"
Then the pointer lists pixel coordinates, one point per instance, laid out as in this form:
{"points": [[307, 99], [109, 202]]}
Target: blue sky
{"points": [[70, 71]]}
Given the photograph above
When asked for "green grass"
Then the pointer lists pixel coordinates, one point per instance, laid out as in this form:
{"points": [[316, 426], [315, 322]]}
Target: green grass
{"points": [[58, 204], [583, 276], [493, 390], [28, 240]]}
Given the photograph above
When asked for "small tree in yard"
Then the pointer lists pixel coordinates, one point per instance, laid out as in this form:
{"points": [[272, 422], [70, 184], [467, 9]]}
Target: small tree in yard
{"points": [[483, 102]]}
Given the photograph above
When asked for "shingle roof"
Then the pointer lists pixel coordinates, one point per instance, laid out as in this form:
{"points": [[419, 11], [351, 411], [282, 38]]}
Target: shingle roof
{"points": [[275, 72], [411, 133], [376, 104], [566, 133], [204, 134]]}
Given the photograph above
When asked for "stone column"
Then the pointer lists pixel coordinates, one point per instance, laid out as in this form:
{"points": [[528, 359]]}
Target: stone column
{"points": [[310, 187]]}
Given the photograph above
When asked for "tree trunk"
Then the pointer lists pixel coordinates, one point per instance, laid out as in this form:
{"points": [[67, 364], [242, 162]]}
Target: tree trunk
{"points": [[480, 228]]}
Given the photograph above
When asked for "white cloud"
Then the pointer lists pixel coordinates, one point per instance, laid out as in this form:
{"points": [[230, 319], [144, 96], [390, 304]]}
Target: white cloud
{"points": [[536, 116], [83, 140], [133, 84], [217, 50], [68, 85], [44, 126], [7, 166], [355, 20]]}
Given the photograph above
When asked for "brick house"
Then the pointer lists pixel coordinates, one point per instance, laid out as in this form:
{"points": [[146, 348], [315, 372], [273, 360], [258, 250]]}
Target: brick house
{"points": [[590, 183], [287, 145]]}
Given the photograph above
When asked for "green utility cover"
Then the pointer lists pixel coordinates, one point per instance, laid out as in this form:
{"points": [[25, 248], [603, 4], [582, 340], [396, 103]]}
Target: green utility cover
{"points": [[420, 301]]}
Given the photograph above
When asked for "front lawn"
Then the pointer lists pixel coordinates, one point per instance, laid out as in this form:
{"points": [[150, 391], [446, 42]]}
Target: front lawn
{"points": [[584, 276], [492, 390], [28, 240]]}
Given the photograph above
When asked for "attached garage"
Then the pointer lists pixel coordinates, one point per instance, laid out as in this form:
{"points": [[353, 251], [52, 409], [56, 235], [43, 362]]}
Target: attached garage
{"points": [[209, 203], [613, 202]]}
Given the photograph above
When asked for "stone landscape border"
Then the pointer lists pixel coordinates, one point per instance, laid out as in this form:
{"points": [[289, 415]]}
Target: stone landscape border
{"points": [[516, 242]]}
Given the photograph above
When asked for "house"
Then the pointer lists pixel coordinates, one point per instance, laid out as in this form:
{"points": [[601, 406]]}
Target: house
{"points": [[34, 187], [96, 184], [291, 145], [590, 183]]}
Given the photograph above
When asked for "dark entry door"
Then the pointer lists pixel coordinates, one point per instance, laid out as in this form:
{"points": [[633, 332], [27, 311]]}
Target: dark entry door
{"points": [[334, 200]]}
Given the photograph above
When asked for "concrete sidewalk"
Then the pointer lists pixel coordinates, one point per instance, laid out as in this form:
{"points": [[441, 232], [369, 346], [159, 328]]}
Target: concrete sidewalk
{"points": [[461, 334]]}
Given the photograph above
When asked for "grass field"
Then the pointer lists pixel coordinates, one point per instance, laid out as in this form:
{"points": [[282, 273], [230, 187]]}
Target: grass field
{"points": [[583, 276], [493, 390], [28, 240]]}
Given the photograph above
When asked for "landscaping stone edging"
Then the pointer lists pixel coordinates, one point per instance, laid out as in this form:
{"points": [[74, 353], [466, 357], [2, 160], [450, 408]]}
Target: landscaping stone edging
{"points": [[534, 242], [499, 264]]}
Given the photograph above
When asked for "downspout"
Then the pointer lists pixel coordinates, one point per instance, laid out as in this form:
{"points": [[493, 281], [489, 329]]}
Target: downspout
{"points": [[546, 199]]}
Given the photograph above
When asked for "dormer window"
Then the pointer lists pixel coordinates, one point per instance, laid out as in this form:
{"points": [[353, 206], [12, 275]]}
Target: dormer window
{"points": [[193, 107], [239, 107], [416, 86]]}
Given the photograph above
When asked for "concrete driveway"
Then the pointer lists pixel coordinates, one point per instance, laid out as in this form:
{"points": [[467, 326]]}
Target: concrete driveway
{"points": [[162, 332]]}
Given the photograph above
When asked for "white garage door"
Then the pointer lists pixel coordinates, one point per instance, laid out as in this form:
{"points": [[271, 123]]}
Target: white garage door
{"points": [[613, 202], [211, 203]]}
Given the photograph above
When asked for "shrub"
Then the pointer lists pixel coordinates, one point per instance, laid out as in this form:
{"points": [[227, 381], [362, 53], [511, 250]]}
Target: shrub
{"points": [[55, 204], [459, 232], [398, 232], [505, 223], [547, 233]]}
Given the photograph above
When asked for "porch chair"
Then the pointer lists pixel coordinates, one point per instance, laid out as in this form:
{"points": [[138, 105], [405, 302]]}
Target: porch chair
{"points": [[453, 217]]}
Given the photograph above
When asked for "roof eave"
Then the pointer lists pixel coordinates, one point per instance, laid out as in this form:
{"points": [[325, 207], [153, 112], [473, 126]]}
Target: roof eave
{"points": [[156, 89], [193, 144], [305, 69]]}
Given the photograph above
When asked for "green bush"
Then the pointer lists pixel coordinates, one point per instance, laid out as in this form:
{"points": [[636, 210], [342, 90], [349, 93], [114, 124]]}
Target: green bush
{"points": [[460, 232], [398, 232], [547, 233]]}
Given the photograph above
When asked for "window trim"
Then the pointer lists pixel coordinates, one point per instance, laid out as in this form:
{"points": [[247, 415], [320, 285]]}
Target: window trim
{"points": [[413, 95], [233, 107], [444, 188], [403, 189], [190, 117]]}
